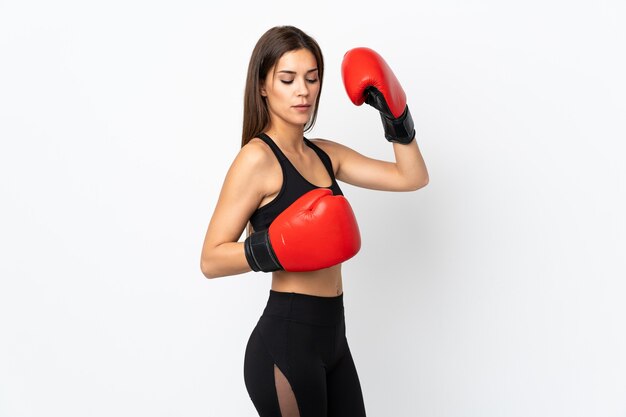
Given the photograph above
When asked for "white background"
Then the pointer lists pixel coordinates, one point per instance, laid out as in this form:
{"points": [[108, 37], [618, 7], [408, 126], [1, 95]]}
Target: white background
{"points": [[496, 291]]}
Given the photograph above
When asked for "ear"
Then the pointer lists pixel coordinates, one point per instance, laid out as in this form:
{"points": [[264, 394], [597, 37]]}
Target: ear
{"points": [[262, 89]]}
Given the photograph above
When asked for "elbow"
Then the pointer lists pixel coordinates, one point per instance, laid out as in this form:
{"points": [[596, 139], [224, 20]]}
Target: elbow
{"points": [[207, 270], [209, 263], [423, 182]]}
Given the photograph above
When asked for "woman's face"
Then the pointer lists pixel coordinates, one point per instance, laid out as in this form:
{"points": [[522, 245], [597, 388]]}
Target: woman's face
{"points": [[291, 87]]}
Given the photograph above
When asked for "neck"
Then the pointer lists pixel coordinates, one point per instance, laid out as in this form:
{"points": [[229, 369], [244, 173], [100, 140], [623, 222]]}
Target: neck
{"points": [[288, 137]]}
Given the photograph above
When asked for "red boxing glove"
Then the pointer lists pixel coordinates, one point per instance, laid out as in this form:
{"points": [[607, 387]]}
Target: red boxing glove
{"points": [[316, 231], [367, 78]]}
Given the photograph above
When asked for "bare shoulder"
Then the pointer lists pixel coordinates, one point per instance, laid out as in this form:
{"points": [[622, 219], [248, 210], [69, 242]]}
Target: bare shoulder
{"points": [[259, 165], [256, 152], [335, 150], [245, 172], [324, 143], [330, 146]]}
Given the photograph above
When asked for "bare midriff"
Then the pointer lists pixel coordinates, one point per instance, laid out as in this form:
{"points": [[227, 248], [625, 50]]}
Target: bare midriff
{"points": [[323, 282]]}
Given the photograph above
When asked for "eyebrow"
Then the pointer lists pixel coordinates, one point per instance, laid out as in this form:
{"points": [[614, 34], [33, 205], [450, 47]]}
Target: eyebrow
{"points": [[293, 72]]}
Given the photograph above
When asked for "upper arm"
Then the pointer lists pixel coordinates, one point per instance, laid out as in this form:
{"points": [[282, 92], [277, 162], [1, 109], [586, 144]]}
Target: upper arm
{"points": [[361, 171], [241, 193]]}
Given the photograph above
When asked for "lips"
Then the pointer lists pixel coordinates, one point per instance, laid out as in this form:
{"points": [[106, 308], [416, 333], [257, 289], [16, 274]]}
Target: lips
{"points": [[302, 106]]}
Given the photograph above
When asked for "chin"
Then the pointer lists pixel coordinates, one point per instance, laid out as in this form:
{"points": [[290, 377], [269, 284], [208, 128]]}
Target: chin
{"points": [[300, 122]]}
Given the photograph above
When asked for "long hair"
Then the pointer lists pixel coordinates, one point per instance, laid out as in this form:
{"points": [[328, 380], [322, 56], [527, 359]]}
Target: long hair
{"points": [[268, 50]]}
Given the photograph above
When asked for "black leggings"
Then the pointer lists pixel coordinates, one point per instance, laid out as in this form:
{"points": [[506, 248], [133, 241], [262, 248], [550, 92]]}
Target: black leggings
{"points": [[297, 361]]}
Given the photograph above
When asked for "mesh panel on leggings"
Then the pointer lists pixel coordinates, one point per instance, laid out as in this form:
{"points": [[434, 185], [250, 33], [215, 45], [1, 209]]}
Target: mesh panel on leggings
{"points": [[286, 397]]}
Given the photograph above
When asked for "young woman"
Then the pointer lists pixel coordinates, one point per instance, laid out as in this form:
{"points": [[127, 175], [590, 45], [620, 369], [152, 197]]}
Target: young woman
{"points": [[297, 361]]}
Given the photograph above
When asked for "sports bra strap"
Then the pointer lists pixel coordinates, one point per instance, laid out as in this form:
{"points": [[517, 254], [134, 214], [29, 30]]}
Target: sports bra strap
{"points": [[282, 158], [279, 154]]}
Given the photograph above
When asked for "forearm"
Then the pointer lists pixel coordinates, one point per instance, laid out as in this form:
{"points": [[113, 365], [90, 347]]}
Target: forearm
{"points": [[224, 260], [410, 163]]}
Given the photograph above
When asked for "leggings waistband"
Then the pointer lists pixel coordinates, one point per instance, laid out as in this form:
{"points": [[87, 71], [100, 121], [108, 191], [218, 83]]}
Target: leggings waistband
{"points": [[305, 308]]}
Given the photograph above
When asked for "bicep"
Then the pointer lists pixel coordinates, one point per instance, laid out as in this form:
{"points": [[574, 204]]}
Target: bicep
{"points": [[361, 171], [241, 193]]}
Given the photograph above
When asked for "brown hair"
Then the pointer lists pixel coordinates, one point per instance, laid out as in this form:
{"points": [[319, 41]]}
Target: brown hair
{"points": [[269, 49]]}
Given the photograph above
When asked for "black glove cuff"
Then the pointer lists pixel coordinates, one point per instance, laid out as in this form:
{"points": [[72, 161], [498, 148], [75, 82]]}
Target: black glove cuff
{"points": [[259, 253], [400, 130]]}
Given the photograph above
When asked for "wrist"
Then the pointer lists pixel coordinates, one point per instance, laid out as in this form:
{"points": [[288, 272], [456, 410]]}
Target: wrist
{"points": [[259, 253], [401, 129]]}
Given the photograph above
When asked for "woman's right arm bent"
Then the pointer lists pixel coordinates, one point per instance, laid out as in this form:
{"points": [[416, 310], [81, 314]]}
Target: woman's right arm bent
{"points": [[241, 194]]}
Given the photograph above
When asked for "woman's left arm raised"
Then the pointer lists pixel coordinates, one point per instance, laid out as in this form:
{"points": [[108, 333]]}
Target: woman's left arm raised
{"points": [[407, 173]]}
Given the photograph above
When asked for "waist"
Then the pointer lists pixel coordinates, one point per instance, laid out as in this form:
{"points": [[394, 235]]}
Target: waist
{"points": [[323, 282], [305, 308]]}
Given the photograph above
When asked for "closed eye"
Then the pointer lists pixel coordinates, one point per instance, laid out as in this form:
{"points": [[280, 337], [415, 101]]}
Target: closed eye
{"points": [[308, 80]]}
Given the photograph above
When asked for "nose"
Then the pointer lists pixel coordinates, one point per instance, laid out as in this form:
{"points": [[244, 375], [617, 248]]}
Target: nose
{"points": [[303, 88]]}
